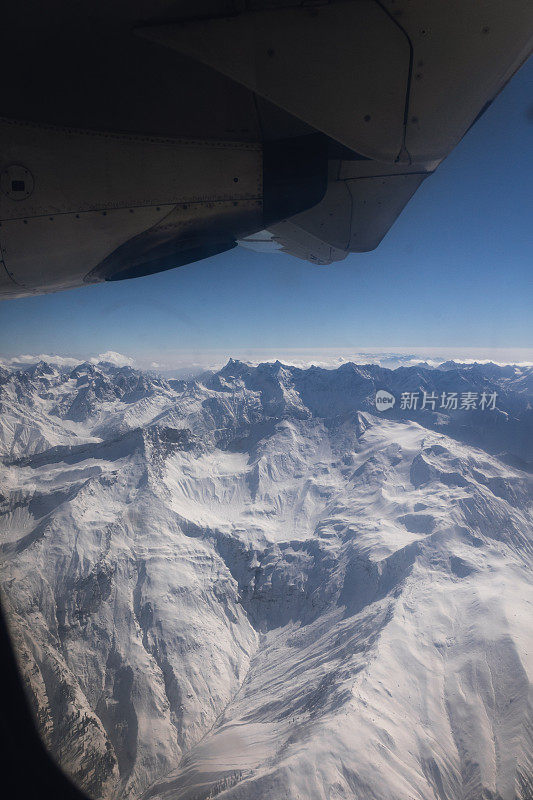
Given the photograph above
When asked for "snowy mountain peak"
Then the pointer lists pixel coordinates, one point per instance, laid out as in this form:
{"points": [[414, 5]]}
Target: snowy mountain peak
{"points": [[258, 584]]}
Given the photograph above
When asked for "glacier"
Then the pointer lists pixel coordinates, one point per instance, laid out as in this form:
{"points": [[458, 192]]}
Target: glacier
{"points": [[254, 586]]}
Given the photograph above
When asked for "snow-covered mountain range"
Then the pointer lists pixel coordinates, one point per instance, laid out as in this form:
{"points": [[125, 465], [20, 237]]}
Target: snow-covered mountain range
{"points": [[256, 586]]}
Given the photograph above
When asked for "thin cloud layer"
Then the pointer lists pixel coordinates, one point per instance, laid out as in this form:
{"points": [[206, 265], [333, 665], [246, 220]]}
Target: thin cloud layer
{"points": [[187, 364], [27, 359], [112, 357]]}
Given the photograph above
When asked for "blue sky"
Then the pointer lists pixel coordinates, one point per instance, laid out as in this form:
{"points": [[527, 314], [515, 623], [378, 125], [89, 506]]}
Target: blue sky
{"points": [[454, 273]]}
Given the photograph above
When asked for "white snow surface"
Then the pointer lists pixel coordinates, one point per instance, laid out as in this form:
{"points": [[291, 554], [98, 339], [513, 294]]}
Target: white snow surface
{"points": [[254, 586]]}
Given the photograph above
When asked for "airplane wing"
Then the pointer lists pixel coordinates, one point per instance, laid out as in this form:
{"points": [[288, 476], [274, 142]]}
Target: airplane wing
{"points": [[357, 210], [137, 137]]}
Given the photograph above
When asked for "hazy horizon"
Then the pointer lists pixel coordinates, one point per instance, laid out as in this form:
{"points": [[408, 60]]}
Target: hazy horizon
{"points": [[192, 363]]}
